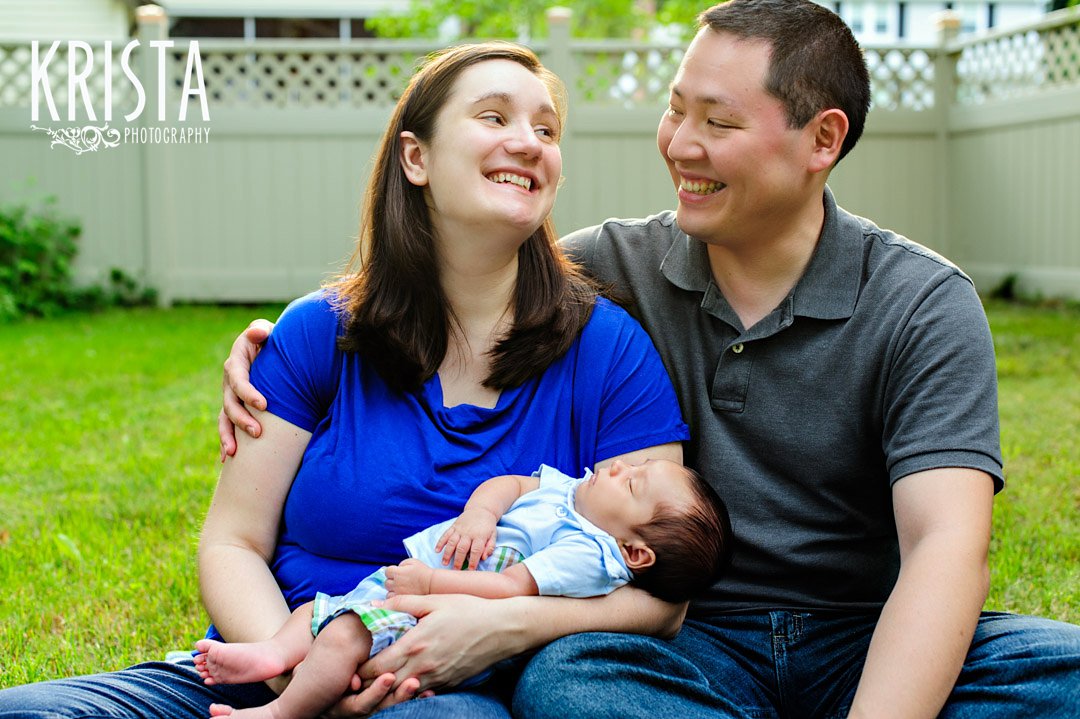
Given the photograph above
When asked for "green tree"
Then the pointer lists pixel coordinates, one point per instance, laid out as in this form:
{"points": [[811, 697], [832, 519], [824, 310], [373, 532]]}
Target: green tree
{"points": [[524, 19], [682, 13]]}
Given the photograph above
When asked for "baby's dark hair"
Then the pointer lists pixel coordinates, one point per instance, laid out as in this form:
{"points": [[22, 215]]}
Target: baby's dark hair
{"points": [[692, 545]]}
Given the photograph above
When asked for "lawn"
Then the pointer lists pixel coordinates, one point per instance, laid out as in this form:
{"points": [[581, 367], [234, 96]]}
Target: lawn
{"points": [[108, 456]]}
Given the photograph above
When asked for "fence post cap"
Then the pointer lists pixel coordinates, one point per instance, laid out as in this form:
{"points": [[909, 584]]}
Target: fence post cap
{"points": [[947, 23], [150, 13], [558, 14]]}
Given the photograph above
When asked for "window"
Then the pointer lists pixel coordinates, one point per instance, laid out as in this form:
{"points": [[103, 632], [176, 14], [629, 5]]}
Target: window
{"points": [[207, 27]]}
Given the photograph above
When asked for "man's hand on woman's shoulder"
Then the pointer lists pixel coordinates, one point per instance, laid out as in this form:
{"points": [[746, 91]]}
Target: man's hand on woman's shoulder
{"points": [[236, 387]]}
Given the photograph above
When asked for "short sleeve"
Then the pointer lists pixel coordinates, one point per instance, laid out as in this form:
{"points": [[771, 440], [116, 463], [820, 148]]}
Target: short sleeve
{"points": [[636, 405], [299, 369], [576, 566], [550, 477], [941, 392]]}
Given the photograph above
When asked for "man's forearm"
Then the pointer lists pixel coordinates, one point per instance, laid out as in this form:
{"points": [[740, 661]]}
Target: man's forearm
{"points": [[921, 639]]}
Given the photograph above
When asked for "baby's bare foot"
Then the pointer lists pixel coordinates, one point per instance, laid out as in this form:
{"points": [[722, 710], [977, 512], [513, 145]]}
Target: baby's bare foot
{"points": [[221, 663], [221, 710]]}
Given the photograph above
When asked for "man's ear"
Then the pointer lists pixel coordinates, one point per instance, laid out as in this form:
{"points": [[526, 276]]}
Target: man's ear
{"points": [[413, 159], [830, 127], [637, 554]]}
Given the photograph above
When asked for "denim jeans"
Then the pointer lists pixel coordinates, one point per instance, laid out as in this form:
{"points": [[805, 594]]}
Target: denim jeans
{"points": [[161, 690], [789, 664]]}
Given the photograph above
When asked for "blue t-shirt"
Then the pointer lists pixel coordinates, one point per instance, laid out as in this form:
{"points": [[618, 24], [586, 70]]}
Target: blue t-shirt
{"points": [[381, 466], [566, 554]]}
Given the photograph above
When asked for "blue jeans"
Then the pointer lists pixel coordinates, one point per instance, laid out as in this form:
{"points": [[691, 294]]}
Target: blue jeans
{"points": [[789, 664], [160, 690]]}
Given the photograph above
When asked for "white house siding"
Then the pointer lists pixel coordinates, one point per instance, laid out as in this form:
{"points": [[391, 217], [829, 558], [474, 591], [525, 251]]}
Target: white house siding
{"points": [[879, 22], [279, 8], [87, 20]]}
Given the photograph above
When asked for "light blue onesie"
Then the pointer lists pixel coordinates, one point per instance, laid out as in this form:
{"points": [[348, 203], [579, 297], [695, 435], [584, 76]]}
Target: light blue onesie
{"points": [[566, 554]]}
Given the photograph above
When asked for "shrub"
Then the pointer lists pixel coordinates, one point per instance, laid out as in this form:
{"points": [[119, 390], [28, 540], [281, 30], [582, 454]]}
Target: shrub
{"points": [[37, 251]]}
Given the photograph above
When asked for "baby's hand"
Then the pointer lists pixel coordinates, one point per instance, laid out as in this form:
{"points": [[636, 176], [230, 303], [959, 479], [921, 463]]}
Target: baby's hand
{"points": [[471, 537], [410, 577]]}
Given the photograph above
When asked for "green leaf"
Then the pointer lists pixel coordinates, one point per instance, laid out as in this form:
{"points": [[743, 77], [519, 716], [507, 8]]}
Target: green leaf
{"points": [[67, 548]]}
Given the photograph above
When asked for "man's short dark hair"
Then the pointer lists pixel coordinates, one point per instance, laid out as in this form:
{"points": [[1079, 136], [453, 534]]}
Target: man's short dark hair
{"points": [[816, 63], [692, 545]]}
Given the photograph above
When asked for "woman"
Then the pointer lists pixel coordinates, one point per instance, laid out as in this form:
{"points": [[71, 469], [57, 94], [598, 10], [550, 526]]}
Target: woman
{"points": [[463, 347]]}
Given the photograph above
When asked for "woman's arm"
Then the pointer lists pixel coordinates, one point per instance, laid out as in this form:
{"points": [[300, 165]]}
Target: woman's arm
{"points": [[238, 541], [240, 533], [459, 636]]}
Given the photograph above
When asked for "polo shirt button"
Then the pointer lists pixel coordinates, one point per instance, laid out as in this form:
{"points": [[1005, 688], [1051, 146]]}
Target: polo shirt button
{"points": [[737, 348], [560, 511]]}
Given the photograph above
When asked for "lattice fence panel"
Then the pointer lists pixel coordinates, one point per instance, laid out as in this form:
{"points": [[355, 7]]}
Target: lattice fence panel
{"points": [[901, 79], [16, 79], [303, 79], [627, 76], [1018, 65]]}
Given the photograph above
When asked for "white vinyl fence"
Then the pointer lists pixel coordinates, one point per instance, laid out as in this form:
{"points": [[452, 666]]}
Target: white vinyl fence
{"points": [[972, 148]]}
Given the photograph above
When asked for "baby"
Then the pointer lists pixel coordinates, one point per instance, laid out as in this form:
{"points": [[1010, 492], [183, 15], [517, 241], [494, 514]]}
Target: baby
{"points": [[657, 525]]}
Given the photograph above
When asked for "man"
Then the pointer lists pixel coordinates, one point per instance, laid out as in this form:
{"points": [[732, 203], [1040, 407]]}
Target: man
{"points": [[840, 386]]}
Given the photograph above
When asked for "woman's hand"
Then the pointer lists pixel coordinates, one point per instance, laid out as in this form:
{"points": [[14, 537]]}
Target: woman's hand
{"points": [[457, 637], [379, 694], [236, 388]]}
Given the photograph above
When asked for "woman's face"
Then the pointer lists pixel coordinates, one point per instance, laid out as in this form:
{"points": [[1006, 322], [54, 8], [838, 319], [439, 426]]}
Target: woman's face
{"points": [[494, 162]]}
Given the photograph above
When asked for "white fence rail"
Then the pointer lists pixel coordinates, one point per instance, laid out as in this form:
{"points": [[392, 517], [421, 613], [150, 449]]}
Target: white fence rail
{"points": [[972, 147]]}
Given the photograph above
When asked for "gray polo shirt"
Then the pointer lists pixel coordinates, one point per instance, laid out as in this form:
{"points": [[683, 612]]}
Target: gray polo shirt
{"points": [[878, 364]]}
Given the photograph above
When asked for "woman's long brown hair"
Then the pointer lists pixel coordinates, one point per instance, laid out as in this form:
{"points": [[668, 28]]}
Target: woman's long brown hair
{"points": [[396, 314]]}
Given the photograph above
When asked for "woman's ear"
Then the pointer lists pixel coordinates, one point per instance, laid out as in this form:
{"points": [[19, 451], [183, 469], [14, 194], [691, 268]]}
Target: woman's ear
{"points": [[413, 159], [637, 555]]}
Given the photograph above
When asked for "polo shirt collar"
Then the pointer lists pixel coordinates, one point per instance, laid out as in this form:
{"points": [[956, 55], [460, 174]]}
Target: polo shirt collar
{"points": [[827, 290]]}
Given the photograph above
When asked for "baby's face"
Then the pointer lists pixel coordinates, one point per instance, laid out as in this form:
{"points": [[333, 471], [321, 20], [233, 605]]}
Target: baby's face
{"points": [[623, 496]]}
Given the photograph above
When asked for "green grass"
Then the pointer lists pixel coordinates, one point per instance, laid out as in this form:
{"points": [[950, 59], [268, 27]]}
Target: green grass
{"points": [[1035, 552], [108, 456]]}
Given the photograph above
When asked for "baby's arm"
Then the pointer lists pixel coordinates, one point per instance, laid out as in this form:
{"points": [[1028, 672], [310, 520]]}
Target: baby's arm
{"points": [[472, 536], [414, 577]]}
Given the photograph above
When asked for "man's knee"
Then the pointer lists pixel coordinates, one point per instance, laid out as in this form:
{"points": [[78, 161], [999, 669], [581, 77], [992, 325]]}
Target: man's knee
{"points": [[1019, 666], [559, 680]]}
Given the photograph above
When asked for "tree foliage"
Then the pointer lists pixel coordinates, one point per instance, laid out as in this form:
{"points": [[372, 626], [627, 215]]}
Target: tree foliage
{"points": [[525, 19]]}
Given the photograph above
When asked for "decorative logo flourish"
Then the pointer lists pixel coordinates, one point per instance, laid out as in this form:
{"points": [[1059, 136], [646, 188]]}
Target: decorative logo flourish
{"points": [[84, 139]]}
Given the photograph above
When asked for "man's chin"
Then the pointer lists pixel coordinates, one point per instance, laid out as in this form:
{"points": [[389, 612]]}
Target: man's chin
{"points": [[691, 222]]}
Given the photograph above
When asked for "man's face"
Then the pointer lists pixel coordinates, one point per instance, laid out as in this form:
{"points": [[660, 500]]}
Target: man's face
{"points": [[739, 170]]}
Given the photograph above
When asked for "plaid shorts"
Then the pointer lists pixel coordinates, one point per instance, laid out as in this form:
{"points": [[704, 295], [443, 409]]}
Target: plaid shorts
{"points": [[387, 626]]}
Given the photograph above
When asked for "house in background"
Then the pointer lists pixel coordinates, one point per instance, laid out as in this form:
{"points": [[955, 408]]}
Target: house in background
{"points": [[913, 20], [259, 19], [94, 20], [89, 20]]}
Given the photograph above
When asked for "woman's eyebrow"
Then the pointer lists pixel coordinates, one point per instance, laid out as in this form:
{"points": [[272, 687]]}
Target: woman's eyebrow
{"points": [[508, 99]]}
